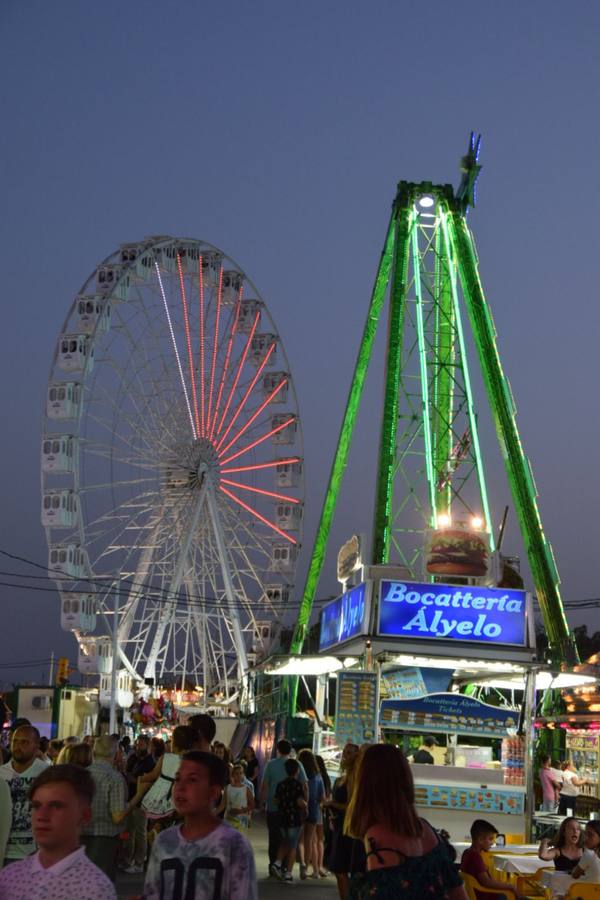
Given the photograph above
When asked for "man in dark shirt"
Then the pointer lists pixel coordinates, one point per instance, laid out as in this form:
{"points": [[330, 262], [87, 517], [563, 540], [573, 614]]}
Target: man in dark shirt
{"points": [[423, 754], [139, 763]]}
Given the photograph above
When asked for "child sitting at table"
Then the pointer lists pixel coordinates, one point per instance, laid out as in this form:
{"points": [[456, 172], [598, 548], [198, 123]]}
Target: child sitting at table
{"points": [[566, 849], [588, 867], [483, 835]]}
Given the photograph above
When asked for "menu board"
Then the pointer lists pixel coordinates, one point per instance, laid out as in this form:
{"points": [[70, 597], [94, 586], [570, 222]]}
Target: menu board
{"points": [[356, 707], [481, 799]]}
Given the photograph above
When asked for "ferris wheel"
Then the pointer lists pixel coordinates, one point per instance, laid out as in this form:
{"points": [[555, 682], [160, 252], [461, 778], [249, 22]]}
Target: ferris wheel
{"points": [[172, 466]]}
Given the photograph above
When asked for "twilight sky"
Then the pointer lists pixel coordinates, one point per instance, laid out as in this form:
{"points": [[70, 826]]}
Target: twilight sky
{"points": [[278, 131]]}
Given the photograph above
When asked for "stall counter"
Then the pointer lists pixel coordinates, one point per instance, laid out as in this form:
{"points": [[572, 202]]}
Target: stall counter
{"points": [[451, 797]]}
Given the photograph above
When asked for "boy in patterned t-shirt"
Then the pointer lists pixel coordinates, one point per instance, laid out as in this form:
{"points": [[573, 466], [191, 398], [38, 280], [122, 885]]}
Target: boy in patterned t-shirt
{"points": [[290, 796], [203, 859]]}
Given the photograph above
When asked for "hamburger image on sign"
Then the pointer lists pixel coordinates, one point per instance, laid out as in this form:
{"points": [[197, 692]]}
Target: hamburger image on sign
{"points": [[453, 551]]}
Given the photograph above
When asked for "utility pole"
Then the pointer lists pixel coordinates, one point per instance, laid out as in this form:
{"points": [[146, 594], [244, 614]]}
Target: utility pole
{"points": [[115, 663], [50, 676]]}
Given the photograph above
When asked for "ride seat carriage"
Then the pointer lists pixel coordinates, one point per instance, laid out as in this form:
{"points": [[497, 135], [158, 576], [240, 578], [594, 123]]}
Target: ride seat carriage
{"points": [[75, 353], [93, 313], [211, 267], [287, 434], [261, 638], [289, 516], [188, 258], [77, 611], [60, 509], [288, 474], [95, 656], [271, 380], [57, 454], [259, 347], [63, 400], [283, 556], [248, 311], [277, 594], [231, 286], [112, 279], [125, 696], [69, 560]]}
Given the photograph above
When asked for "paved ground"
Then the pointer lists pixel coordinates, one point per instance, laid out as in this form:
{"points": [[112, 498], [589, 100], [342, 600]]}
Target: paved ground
{"points": [[268, 888]]}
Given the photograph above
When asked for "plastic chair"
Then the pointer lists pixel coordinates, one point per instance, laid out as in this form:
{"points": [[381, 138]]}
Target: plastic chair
{"points": [[514, 838], [531, 885], [583, 891], [471, 885]]}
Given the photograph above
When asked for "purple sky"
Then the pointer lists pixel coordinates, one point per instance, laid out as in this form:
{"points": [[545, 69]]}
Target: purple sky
{"points": [[278, 131]]}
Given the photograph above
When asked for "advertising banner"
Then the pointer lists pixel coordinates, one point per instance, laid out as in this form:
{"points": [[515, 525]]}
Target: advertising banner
{"points": [[449, 713], [482, 799], [452, 613], [344, 618], [454, 551], [403, 684], [356, 712]]}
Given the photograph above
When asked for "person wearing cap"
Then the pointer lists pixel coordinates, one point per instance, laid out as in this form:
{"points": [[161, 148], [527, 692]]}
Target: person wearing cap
{"points": [[423, 754]]}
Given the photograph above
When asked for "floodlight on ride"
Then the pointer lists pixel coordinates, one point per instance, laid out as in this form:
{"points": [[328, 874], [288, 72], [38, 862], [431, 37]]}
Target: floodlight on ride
{"points": [[476, 523], [444, 520], [311, 665], [543, 681], [426, 202]]}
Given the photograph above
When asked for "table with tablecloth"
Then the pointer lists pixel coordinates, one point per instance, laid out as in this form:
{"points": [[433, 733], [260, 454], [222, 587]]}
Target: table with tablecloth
{"points": [[520, 863]]}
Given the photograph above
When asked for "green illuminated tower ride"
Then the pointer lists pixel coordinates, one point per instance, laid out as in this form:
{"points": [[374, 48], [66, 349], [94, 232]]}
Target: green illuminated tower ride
{"points": [[431, 470]]}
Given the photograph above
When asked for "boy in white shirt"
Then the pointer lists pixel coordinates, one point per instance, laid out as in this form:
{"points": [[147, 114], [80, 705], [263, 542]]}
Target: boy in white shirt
{"points": [[61, 800]]}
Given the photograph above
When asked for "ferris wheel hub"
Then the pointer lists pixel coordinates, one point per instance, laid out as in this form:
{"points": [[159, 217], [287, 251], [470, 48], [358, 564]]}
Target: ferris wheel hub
{"points": [[204, 459]]}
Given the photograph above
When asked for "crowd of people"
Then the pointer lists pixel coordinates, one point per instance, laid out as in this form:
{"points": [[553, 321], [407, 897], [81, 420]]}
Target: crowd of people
{"points": [[178, 813], [65, 807]]}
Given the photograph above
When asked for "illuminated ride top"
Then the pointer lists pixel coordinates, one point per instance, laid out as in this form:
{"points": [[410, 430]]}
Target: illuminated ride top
{"points": [[432, 515]]}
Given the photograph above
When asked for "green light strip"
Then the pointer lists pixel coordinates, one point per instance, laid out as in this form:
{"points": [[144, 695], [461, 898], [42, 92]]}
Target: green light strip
{"points": [[543, 569], [424, 377], [467, 379], [344, 440], [384, 490]]}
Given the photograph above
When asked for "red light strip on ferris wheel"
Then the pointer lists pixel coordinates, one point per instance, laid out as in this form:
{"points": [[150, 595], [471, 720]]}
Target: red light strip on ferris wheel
{"points": [[189, 342], [245, 397], [174, 342], [266, 465], [255, 512], [239, 371], [227, 358], [255, 490], [201, 287], [215, 347], [258, 441], [254, 416]]}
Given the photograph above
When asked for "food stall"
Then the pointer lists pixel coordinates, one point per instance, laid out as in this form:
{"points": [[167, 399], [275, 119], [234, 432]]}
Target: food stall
{"points": [[421, 644]]}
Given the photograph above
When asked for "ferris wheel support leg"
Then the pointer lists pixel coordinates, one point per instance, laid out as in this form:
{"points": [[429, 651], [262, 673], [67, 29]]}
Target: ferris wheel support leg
{"points": [[518, 468], [169, 611], [342, 450], [238, 637]]}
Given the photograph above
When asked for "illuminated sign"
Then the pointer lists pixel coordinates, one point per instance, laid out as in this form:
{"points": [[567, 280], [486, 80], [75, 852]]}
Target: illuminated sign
{"points": [[452, 613], [344, 618]]}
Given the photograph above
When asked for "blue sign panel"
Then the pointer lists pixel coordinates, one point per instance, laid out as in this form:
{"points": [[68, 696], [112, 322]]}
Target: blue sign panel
{"points": [[449, 713], [344, 618], [452, 613]]}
